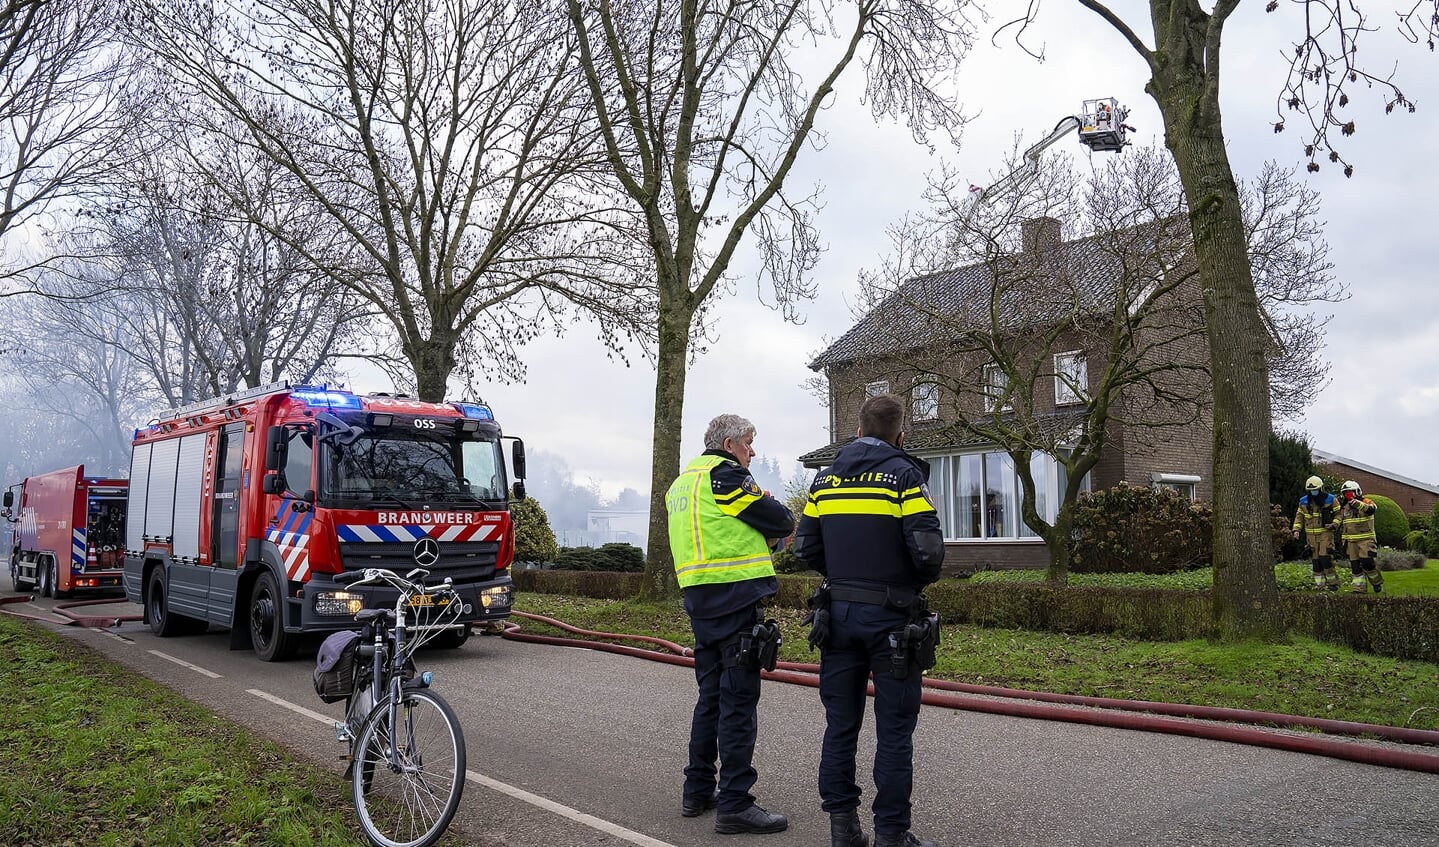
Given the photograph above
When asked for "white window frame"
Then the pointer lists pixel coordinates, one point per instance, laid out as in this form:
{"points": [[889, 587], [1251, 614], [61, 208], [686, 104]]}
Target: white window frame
{"points": [[1184, 484], [876, 388], [1063, 394], [991, 396], [926, 390]]}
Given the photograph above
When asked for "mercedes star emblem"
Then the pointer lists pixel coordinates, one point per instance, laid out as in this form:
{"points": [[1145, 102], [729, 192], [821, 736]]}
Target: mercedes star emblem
{"points": [[427, 552]]}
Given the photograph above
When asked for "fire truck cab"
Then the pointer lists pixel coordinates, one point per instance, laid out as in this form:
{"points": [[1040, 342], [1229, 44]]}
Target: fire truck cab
{"points": [[243, 509]]}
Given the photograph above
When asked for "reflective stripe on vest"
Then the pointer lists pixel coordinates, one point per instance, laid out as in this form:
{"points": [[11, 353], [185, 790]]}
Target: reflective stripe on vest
{"points": [[1358, 528], [884, 502], [709, 546]]}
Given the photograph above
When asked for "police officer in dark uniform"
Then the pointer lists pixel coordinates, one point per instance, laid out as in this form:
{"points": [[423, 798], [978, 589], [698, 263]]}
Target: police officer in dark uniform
{"points": [[722, 528], [871, 529]]}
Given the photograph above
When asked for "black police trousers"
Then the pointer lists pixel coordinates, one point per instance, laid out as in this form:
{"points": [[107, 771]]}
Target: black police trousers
{"points": [[725, 722], [859, 641]]}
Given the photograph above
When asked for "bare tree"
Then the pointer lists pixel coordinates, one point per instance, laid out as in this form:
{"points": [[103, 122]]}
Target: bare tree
{"points": [[203, 299], [72, 375], [1183, 55], [447, 140], [65, 107], [985, 301], [705, 106]]}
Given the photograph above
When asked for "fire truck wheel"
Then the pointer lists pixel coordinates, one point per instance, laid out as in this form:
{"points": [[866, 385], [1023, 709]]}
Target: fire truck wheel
{"points": [[43, 575], [55, 581], [267, 622], [164, 622]]}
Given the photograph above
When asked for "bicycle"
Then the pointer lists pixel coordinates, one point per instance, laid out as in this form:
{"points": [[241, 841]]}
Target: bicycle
{"points": [[407, 751]]}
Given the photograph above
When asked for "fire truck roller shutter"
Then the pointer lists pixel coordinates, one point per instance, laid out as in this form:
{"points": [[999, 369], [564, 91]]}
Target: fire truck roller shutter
{"points": [[139, 488], [189, 481], [160, 503]]}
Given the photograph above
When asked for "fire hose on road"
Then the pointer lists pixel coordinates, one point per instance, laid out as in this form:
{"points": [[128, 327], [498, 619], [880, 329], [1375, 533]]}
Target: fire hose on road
{"points": [[1237, 725], [72, 618]]}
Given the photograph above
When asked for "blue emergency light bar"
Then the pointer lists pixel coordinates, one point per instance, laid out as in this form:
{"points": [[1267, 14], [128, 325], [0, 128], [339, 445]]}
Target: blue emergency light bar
{"points": [[474, 410], [323, 395]]}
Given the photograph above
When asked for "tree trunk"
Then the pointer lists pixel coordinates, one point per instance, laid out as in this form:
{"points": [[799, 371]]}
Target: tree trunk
{"points": [[671, 370], [433, 360], [1246, 597], [1061, 547]]}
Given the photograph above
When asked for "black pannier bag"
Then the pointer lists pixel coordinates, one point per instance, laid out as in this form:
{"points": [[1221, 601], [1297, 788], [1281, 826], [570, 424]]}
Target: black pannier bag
{"points": [[335, 666]]}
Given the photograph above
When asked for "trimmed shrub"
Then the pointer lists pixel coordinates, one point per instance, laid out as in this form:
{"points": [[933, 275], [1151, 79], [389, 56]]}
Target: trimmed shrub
{"points": [[534, 539], [1390, 524], [1127, 530], [616, 557], [1390, 559], [1402, 627], [1418, 520]]}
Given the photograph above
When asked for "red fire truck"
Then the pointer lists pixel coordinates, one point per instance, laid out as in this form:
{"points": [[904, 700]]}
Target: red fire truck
{"points": [[68, 532], [244, 508]]}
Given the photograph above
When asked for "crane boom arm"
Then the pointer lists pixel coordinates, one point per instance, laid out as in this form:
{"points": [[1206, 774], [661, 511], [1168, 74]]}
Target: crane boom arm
{"points": [[1031, 158]]}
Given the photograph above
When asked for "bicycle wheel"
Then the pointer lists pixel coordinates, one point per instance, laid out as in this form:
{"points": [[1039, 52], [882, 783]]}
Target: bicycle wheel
{"points": [[409, 803]]}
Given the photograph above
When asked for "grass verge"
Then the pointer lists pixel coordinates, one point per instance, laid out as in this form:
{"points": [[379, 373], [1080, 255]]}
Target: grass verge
{"points": [[97, 756], [1303, 677]]}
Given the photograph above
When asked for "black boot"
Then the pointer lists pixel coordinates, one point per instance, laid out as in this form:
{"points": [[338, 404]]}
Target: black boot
{"points": [[903, 839], [845, 831]]}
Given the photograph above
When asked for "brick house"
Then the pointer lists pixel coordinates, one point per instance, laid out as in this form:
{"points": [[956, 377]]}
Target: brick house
{"points": [[1411, 494], [1055, 328]]}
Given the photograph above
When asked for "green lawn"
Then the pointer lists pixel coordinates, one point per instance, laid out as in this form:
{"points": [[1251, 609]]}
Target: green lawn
{"points": [[1302, 677], [97, 756]]}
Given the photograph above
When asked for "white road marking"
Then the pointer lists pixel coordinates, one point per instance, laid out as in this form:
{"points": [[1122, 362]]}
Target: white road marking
{"points": [[184, 664], [566, 812], [545, 803], [327, 720]]}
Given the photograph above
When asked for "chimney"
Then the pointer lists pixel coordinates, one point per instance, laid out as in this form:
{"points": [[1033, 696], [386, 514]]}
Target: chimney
{"points": [[1040, 234]]}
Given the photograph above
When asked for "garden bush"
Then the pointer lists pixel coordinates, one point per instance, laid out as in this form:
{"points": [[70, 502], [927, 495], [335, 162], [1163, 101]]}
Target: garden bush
{"points": [[1425, 540], [1390, 524], [534, 539], [1390, 559], [1129, 529], [616, 557]]}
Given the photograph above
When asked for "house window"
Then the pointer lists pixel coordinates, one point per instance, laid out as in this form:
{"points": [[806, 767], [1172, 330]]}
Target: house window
{"points": [[924, 397], [996, 382], [1179, 483], [978, 494], [874, 389], [1071, 378]]}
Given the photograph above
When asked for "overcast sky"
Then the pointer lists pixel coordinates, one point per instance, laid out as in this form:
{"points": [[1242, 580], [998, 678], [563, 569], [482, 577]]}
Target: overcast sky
{"points": [[1383, 344]]}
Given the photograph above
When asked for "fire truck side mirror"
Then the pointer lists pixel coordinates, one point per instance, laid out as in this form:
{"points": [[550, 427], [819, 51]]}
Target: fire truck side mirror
{"points": [[277, 448], [517, 457], [518, 491], [273, 483], [9, 499]]}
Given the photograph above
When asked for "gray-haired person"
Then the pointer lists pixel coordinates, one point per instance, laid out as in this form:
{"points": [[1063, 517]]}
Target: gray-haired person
{"points": [[722, 528]]}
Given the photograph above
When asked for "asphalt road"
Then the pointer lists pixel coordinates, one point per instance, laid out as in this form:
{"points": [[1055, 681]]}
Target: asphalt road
{"points": [[575, 748]]}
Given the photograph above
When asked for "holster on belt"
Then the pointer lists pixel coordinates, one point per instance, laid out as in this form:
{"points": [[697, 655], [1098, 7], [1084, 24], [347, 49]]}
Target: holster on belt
{"points": [[757, 646]]}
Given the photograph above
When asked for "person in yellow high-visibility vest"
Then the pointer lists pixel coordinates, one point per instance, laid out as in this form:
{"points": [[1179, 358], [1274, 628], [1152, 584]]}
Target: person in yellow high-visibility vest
{"points": [[722, 528], [1356, 529]]}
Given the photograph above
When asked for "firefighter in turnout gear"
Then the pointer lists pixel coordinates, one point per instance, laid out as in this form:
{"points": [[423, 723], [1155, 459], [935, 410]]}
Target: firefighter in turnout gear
{"points": [[870, 528], [1356, 530], [722, 528], [1315, 520]]}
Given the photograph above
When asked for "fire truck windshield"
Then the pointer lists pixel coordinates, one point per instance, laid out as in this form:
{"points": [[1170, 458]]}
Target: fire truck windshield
{"points": [[413, 468]]}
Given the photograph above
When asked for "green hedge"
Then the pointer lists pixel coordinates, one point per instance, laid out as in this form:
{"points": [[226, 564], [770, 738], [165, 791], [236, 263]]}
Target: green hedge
{"points": [[1401, 627]]}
